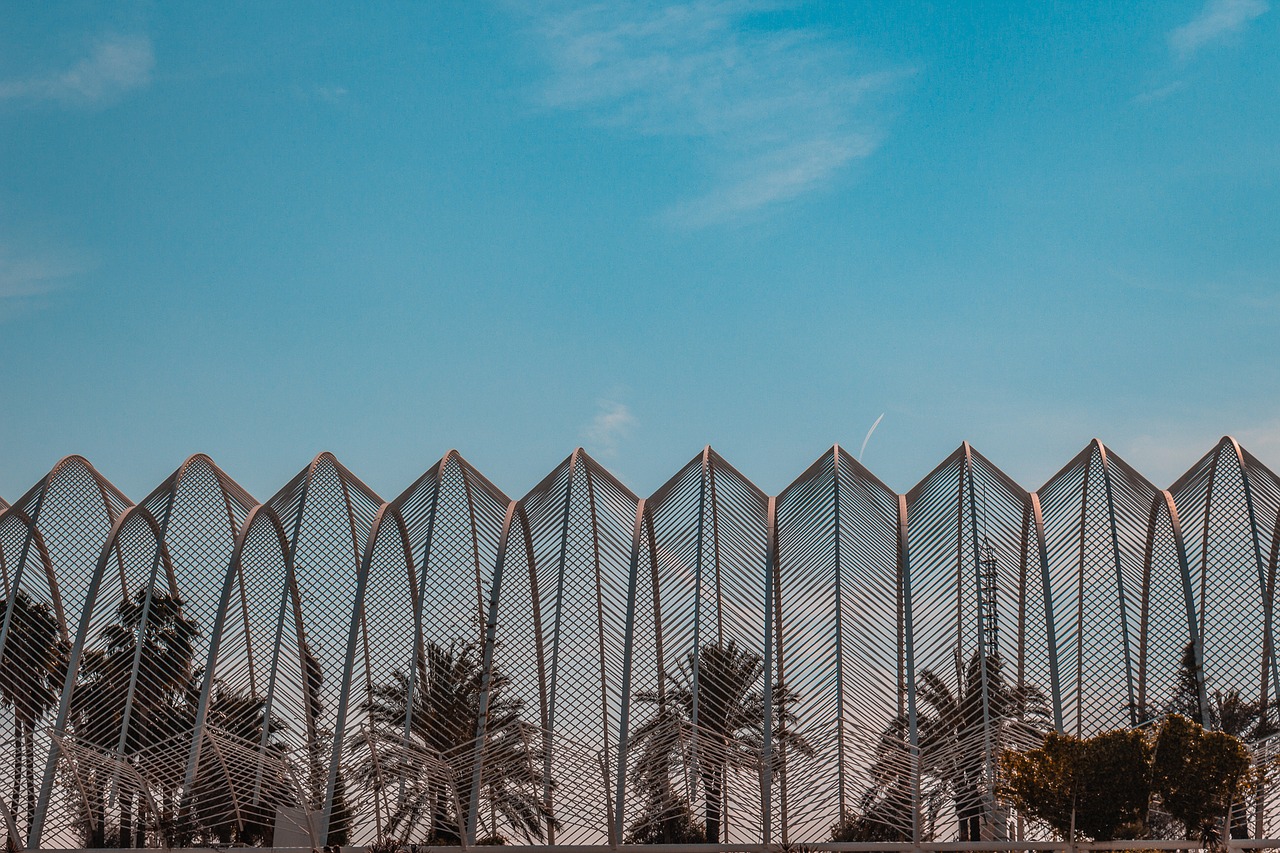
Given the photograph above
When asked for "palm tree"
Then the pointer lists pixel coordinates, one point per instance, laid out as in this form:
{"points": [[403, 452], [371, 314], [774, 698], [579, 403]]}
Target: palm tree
{"points": [[237, 784], [666, 818], [162, 641], [884, 810], [418, 746], [953, 730], [31, 673], [730, 711]]}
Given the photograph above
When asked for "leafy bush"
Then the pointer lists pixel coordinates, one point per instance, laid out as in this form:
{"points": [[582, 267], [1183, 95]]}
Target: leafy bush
{"points": [[1198, 774], [1107, 781]]}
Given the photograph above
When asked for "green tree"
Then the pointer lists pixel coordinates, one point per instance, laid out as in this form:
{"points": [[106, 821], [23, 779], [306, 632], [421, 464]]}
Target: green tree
{"points": [[1099, 786], [31, 674], [730, 710], [1198, 774], [424, 769]]}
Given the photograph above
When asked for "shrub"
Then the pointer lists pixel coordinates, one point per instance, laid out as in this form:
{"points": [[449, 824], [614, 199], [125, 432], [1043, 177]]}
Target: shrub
{"points": [[1105, 780], [1198, 774]]}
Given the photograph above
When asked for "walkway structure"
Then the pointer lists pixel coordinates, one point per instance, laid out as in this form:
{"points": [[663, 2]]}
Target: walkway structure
{"points": [[585, 666]]}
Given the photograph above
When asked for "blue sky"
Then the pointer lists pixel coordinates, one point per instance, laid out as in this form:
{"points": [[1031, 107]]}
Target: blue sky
{"points": [[517, 227]]}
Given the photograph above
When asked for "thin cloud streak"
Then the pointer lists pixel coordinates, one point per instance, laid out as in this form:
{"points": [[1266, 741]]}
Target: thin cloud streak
{"points": [[1217, 20], [115, 66], [24, 278], [613, 422], [774, 113], [1153, 95]]}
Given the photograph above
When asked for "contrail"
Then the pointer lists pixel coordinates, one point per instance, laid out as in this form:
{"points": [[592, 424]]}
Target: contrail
{"points": [[868, 438]]}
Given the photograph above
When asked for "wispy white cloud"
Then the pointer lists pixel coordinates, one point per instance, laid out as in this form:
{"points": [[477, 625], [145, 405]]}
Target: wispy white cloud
{"points": [[25, 277], [331, 94], [612, 422], [775, 112], [1217, 20], [115, 66], [1165, 455], [1159, 94]]}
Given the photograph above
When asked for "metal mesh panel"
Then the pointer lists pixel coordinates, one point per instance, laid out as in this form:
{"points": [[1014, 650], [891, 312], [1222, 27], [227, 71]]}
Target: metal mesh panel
{"points": [[710, 532], [1229, 583], [1166, 628], [416, 709], [33, 641], [840, 632], [126, 687], [328, 514], [250, 758], [583, 667], [384, 651], [1095, 515], [581, 522], [966, 524]]}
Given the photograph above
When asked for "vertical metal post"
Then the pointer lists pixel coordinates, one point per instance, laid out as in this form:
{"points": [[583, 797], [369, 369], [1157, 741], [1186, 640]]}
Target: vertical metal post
{"points": [[628, 652], [982, 640], [1188, 597], [913, 731], [603, 655], [766, 768], [839, 566], [697, 612], [1042, 555], [486, 679]]}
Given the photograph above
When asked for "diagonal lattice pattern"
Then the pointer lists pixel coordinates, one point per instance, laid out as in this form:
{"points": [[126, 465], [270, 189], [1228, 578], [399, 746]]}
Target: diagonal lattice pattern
{"points": [[584, 666]]}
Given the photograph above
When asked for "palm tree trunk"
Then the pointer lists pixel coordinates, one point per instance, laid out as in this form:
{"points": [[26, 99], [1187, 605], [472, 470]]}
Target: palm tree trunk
{"points": [[29, 743], [140, 825], [126, 819], [18, 752], [97, 834], [713, 785]]}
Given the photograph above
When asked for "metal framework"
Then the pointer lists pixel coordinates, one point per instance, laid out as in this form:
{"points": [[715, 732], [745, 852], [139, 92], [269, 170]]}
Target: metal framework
{"points": [[586, 667]]}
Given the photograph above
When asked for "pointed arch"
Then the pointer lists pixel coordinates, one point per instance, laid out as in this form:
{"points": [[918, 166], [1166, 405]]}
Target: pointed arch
{"points": [[1095, 513], [840, 630], [251, 756], [328, 514], [70, 514], [967, 532], [580, 520], [1218, 501], [714, 579], [128, 666], [33, 639], [441, 538]]}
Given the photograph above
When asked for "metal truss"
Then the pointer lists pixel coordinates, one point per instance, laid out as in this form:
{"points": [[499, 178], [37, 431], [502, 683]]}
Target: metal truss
{"points": [[587, 667]]}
